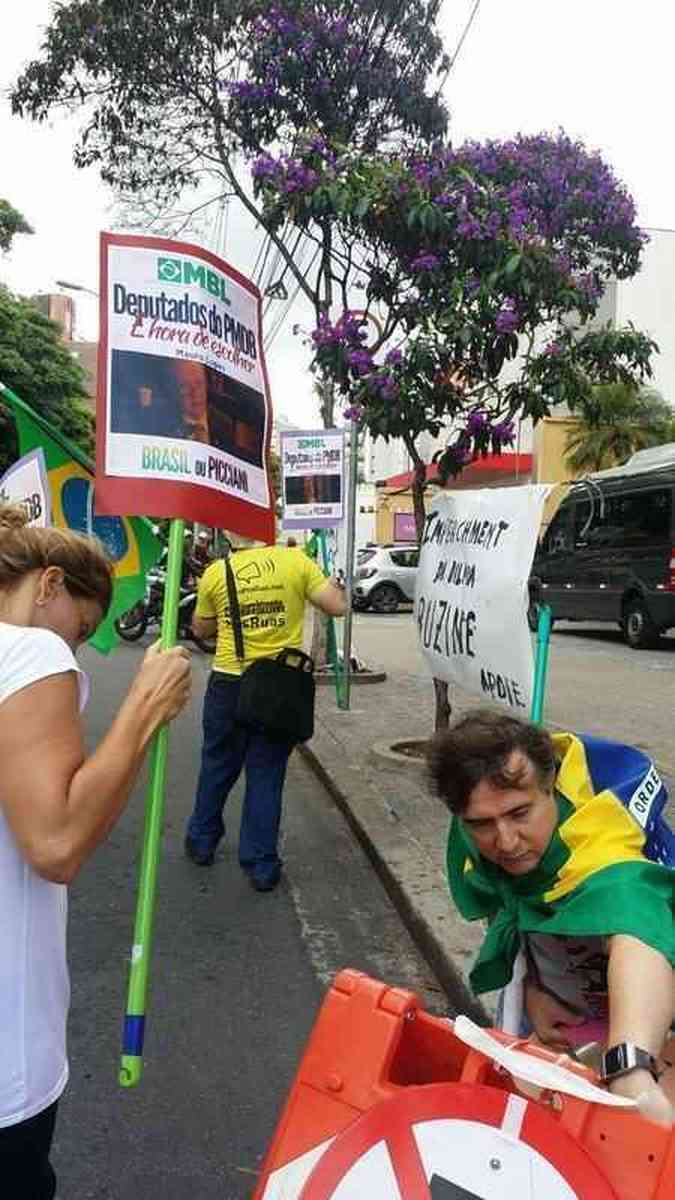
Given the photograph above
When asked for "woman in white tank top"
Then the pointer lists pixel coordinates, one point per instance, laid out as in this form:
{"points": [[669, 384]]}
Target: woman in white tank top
{"points": [[56, 805]]}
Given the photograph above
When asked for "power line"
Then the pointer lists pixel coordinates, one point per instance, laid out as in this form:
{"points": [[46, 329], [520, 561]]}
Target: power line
{"points": [[281, 319], [463, 37]]}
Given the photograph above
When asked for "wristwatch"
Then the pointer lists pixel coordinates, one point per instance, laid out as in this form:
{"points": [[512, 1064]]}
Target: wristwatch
{"points": [[620, 1060]]}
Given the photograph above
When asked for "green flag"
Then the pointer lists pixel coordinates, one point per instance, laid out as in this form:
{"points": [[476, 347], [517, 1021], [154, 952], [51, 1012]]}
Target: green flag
{"points": [[130, 542]]}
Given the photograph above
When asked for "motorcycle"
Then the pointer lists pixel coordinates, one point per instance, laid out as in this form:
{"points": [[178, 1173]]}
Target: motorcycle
{"points": [[148, 612]]}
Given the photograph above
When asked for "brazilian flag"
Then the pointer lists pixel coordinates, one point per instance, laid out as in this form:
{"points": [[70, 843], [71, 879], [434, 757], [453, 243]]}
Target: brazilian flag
{"points": [[607, 870], [129, 541]]}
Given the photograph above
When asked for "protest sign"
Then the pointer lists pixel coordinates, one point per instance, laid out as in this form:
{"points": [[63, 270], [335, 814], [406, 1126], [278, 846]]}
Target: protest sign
{"points": [[26, 483], [312, 470], [184, 416], [471, 596]]}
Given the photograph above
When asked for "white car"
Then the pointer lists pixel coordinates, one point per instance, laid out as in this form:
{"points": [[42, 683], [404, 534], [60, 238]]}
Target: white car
{"points": [[385, 577]]}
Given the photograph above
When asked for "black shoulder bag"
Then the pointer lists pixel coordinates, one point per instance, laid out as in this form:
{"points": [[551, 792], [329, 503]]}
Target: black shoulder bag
{"points": [[277, 693]]}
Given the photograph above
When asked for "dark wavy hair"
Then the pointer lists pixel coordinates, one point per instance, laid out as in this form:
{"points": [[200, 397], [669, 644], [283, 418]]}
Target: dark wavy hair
{"points": [[478, 746]]}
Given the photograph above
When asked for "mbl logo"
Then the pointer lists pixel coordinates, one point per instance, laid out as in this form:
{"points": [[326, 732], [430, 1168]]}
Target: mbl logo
{"points": [[185, 271]]}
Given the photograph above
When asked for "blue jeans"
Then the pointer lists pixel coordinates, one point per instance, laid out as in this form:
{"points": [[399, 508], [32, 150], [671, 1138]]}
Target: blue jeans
{"points": [[228, 747]]}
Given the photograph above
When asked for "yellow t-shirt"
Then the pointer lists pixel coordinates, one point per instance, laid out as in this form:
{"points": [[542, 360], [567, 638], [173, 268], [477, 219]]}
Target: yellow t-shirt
{"points": [[273, 584]]}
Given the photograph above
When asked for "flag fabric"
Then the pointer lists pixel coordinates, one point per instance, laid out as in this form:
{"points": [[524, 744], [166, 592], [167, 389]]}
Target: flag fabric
{"points": [[129, 541], [595, 879]]}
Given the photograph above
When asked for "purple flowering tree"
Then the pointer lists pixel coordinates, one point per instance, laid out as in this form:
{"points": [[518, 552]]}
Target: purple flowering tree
{"points": [[231, 98], [489, 262]]}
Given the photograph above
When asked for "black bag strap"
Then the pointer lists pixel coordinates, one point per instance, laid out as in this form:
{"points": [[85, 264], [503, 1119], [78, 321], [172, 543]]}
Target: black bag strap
{"points": [[235, 611]]}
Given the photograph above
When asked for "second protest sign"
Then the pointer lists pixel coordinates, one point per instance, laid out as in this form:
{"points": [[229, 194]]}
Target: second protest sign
{"points": [[471, 597]]}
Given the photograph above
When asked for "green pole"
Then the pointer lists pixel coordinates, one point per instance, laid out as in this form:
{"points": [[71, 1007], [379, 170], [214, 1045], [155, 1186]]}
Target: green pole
{"points": [[330, 636], [131, 1066], [541, 663]]}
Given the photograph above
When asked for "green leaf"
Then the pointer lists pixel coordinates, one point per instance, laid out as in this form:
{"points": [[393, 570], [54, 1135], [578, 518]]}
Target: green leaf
{"points": [[513, 263]]}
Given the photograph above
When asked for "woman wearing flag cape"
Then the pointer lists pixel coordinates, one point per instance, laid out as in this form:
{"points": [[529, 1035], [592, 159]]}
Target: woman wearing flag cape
{"points": [[56, 806], [552, 842]]}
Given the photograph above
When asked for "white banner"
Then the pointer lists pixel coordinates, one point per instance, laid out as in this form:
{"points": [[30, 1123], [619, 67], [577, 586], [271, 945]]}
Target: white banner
{"points": [[471, 598], [26, 483], [312, 470]]}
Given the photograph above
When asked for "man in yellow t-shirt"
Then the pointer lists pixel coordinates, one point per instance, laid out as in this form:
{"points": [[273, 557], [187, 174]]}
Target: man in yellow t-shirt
{"points": [[273, 585]]}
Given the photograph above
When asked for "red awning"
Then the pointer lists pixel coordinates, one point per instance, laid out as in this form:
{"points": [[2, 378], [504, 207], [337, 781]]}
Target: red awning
{"points": [[518, 466]]}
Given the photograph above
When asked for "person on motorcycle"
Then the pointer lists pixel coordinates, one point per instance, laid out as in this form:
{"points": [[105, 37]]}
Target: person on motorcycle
{"points": [[201, 552]]}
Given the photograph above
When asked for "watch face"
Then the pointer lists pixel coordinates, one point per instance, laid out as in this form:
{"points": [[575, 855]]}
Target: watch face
{"points": [[616, 1060]]}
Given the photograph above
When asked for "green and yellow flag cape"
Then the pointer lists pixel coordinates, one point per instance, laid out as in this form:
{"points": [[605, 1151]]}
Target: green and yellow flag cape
{"points": [[129, 541], [593, 880]]}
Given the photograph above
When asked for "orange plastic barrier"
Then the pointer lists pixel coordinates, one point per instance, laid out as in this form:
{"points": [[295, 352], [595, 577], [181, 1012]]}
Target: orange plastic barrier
{"points": [[383, 1082]]}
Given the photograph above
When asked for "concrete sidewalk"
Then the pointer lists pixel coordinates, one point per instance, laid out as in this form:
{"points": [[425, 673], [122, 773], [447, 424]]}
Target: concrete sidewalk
{"points": [[403, 829]]}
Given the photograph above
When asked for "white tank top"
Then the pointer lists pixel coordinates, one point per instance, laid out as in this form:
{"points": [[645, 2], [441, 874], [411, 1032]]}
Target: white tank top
{"points": [[34, 984]]}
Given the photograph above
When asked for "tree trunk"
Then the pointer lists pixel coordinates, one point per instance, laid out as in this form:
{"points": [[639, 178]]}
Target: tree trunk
{"points": [[419, 479], [443, 706], [418, 485]]}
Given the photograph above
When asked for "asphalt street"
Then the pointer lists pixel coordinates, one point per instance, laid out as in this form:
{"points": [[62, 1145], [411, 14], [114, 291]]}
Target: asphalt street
{"points": [[237, 979]]}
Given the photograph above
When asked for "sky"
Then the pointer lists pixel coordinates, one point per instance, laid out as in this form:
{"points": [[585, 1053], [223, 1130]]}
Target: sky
{"points": [[599, 69]]}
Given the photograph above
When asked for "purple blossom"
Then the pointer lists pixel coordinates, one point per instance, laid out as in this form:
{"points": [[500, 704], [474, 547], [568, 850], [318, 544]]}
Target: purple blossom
{"points": [[385, 385], [264, 168], [476, 423], [360, 361], [519, 219], [354, 412], [469, 226], [394, 358], [425, 262], [553, 349], [502, 434], [507, 319]]}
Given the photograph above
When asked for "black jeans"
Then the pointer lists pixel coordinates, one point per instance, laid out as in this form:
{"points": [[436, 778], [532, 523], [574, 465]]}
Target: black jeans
{"points": [[25, 1170]]}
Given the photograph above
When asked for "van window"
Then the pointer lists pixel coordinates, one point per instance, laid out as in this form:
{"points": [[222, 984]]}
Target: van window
{"points": [[559, 535], [585, 514], [640, 518]]}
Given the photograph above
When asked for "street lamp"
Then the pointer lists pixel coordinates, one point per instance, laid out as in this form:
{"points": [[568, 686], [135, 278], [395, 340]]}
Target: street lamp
{"points": [[75, 287]]}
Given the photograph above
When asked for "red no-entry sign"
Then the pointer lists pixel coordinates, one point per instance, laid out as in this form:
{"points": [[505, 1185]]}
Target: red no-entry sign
{"points": [[455, 1142]]}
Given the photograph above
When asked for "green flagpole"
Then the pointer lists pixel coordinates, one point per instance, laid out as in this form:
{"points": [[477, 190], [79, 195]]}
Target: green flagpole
{"points": [[131, 1067], [541, 663], [330, 637]]}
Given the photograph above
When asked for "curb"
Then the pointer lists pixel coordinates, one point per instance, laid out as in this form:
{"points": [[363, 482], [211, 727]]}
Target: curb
{"points": [[420, 924], [356, 678], [383, 754]]}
